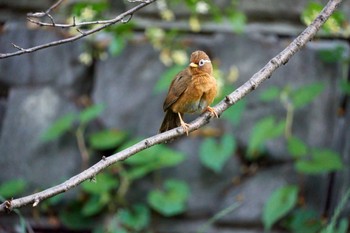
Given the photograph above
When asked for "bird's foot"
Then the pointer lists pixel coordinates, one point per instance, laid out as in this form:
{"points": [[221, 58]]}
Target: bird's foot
{"points": [[184, 125], [212, 111]]}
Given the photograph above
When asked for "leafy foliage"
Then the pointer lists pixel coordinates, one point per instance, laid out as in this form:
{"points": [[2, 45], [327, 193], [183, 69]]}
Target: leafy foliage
{"points": [[106, 139], [214, 155], [264, 130], [235, 113], [304, 220], [65, 123], [170, 201], [306, 94], [103, 183], [296, 147], [58, 128], [333, 25], [136, 218], [90, 113], [238, 21], [152, 159], [100, 190], [12, 188], [282, 201], [321, 161], [95, 204]]}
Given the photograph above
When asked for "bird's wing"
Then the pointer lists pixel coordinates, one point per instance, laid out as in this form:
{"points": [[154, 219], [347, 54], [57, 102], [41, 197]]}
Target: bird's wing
{"points": [[177, 87]]}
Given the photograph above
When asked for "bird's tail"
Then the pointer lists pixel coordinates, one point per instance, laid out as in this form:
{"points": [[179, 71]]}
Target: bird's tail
{"points": [[171, 120]]}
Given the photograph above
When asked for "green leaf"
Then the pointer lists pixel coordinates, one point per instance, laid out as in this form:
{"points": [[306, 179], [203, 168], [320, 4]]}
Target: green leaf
{"points": [[264, 130], [137, 218], [95, 204], [270, 94], [107, 139], [58, 128], [214, 155], [165, 79], [104, 183], [304, 220], [12, 188], [332, 25], [152, 159], [306, 94], [296, 147], [279, 204], [234, 113], [90, 113], [238, 21], [172, 200], [321, 161]]}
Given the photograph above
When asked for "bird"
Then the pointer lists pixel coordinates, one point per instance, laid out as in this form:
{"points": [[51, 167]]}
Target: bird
{"points": [[191, 91]]}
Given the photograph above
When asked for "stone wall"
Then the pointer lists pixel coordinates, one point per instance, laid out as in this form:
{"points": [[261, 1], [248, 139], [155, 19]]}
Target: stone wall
{"points": [[38, 88]]}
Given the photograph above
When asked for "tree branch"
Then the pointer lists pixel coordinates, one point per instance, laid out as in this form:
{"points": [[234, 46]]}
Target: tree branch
{"points": [[124, 18], [239, 93], [47, 12]]}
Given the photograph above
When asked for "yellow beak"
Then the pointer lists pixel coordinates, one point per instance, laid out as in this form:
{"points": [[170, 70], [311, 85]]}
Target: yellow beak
{"points": [[194, 65]]}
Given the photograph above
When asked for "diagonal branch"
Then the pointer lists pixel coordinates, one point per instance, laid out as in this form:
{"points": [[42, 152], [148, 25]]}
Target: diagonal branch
{"points": [[124, 18], [47, 12], [246, 88]]}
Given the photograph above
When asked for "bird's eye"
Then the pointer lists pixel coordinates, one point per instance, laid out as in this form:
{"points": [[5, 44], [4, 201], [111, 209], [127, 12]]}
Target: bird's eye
{"points": [[201, 62]]}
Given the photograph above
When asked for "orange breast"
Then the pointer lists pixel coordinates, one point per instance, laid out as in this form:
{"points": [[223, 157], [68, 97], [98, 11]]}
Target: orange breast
{"points": [[199, 94]]}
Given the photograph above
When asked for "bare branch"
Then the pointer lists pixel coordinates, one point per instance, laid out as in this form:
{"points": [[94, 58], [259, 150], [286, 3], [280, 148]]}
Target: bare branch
{"points": [[239, 93], [145, 1], [46, 13], [124, 17], [17, 47]]}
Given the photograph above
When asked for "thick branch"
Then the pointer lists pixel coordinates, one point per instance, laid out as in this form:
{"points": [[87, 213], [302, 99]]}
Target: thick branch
{"points": [[124, 17], [249, 86]]}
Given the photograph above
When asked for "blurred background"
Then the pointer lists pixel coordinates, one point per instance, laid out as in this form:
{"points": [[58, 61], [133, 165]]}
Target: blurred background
{"points": [[277, 161]]}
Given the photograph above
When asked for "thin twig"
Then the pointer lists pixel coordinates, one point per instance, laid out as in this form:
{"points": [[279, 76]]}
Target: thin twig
{"points": [[126, 19], [239, 93], [46, 13], [79, 134], [120, 18]]}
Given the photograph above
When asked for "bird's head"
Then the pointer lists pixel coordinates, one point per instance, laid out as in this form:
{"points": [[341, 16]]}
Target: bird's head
{"points": [[200, 62]]}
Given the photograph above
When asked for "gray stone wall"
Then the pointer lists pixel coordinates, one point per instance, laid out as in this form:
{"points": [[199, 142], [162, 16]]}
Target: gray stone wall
{"points": [[38, 88]]}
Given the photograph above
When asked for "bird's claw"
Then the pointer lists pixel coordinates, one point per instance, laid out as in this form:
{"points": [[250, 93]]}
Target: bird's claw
{"points": [[185, 126], [212, 111]]}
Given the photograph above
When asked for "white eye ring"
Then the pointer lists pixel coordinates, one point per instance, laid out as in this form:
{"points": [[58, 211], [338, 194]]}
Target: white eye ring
{"points": [[202, 62]]}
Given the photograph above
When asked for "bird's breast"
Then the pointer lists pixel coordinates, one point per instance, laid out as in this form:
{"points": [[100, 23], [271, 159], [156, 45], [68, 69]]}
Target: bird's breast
{"points": [[198, 95]]}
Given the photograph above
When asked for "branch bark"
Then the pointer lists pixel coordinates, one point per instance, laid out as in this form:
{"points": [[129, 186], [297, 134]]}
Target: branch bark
{"points": [[124, 18], [263, 74]]}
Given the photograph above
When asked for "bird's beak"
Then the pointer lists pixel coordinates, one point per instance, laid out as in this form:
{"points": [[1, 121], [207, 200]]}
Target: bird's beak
{"points": [[194, 65]]}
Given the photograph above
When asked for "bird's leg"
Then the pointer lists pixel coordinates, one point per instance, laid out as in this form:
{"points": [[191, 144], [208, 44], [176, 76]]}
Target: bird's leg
{"points": [[184, 125], [212, 111]]}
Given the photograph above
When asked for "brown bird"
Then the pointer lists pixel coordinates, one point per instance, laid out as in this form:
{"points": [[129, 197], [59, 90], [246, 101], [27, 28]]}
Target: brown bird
{"points": [[191, 91]]}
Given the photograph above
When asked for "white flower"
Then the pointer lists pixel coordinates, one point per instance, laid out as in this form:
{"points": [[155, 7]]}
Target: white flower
{"points": [[202, 7]]}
